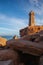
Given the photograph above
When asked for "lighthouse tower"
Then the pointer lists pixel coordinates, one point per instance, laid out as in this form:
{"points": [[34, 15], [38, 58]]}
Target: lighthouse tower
{"points": [[31, 19]]}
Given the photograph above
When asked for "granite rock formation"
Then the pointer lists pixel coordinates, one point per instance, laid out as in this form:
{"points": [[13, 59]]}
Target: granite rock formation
{"points": [[3, 41], [9, 54]]}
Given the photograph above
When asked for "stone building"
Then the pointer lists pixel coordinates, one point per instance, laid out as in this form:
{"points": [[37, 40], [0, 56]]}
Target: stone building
{"points": [[32, 28]]}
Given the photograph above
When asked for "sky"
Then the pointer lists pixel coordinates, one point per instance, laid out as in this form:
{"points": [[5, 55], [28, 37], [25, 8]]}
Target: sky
{"points": [[14, 15]]}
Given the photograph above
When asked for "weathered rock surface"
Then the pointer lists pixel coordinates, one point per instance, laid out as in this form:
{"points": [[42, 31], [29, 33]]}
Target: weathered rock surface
{"points": [[26, 46], [8, 54], [31, 47], [30, 37]]}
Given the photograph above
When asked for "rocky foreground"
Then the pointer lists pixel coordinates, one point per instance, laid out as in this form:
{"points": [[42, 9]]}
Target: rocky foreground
{"points": [[27, 50]]}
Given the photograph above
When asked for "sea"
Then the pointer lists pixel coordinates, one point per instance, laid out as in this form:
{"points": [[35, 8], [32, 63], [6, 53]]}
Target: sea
{"points": [[7, 37]]}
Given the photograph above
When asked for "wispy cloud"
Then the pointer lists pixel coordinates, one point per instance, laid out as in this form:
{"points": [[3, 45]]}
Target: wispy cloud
{"points": [[39, 21], [34, 2], [35, 5], [6, 31], [12, 21], [12, 25]]}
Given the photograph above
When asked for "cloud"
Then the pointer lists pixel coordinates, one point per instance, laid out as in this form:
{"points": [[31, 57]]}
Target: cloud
{"points": [[6, 31], [34, 2], [11, 25], [35, 5], [11, 21], [39, 21]]}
